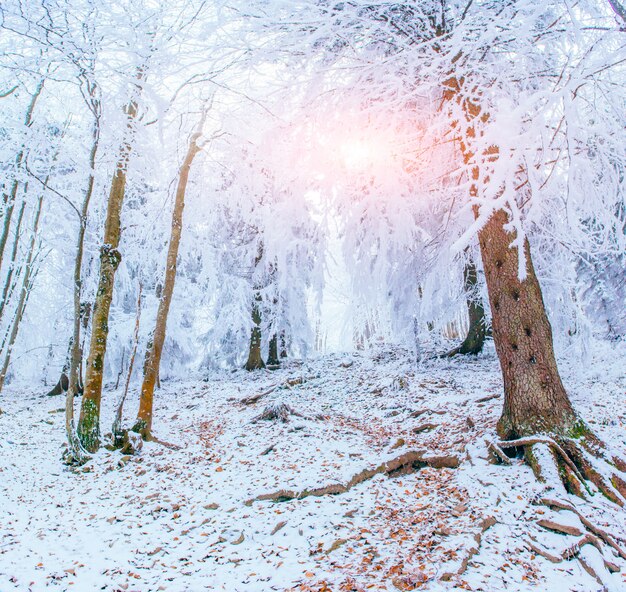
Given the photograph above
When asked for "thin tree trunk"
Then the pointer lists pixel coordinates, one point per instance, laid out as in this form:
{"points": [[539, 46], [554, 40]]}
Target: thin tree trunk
{"points": [[10, 203], [16, 241], [475, 339], [110, 257], [255, 360], [116, 430], [21, 305], [154, 348], [273, 361], [76, 451]]}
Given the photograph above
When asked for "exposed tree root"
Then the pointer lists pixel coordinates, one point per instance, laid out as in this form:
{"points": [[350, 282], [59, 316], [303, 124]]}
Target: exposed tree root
{"points": [[422, 411], [487, 398], [163, 443], [497, 452], [576, 464], [573, 466], [406, 463], [600, 533], [285, 385], [574, 552], [485, 525], [126, 441], [277, 412]]}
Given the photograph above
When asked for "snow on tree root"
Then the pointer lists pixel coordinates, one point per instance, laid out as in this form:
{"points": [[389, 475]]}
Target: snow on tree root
{"points": [[288, 384], [581, 464], [485, 525], [568, 470], [406, 463]]}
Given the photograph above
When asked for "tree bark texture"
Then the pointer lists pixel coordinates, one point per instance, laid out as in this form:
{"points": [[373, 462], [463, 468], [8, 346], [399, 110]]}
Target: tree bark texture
{"points": [[535, 400], [155, 345], [110, 257], [255, 360]]}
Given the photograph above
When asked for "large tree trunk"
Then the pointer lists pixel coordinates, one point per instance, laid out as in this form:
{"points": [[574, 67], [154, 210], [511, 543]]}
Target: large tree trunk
{"points": [[110, 257], [535, 400], [155, 345]]}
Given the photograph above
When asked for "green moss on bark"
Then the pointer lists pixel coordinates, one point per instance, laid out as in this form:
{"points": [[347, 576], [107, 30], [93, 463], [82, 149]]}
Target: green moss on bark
{"points": [[89, 426]]}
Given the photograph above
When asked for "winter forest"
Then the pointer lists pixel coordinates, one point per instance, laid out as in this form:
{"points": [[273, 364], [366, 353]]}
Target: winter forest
{"points": [[313, 295]]}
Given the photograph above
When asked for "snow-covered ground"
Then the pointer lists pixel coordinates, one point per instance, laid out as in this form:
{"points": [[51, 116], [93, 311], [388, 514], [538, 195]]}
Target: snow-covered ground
{"points": [[187, 518]]}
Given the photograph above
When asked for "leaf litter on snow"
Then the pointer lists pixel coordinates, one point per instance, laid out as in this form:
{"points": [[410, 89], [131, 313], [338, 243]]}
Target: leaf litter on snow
{"points": [[350, 472]]}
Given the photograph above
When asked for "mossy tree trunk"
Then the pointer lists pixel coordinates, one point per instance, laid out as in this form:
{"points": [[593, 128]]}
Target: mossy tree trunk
{"points": [[82, 310], [154, 349], [110, 257]]}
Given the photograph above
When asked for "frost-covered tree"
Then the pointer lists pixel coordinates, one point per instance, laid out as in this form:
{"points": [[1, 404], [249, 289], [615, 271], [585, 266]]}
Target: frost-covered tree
{"points": [[525, 161]]}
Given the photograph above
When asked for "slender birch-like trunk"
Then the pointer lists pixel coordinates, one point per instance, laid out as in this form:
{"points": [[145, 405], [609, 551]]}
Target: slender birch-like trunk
{"points": [[76, 452], [23, 299], [154, 348], [16, 241], [116, 430], [10, 199], [110, 257]]}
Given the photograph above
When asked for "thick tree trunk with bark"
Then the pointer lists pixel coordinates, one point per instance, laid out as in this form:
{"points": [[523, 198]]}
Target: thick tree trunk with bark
{"points": [[535, 400], [536, 408], [110, 257], [475, 339], [155, 345]]}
